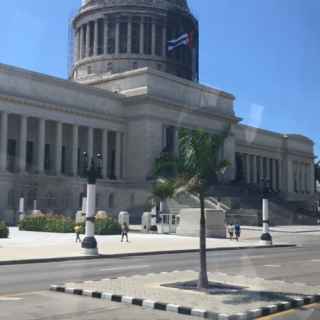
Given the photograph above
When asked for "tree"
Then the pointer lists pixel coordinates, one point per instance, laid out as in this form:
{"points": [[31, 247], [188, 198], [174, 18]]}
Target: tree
{"points": [[196, 167]]}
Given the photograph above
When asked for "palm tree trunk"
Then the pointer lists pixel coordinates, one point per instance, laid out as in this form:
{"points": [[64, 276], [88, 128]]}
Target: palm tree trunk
{"points": [[203, 283]]}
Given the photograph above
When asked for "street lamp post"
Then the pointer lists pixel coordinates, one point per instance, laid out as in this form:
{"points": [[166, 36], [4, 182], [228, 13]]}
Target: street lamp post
{"points": [[92, 173], [266, 237]]}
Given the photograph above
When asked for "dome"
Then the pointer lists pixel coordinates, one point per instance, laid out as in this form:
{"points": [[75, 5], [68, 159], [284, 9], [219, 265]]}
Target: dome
{"points": [[114, 36], [181, 4]]}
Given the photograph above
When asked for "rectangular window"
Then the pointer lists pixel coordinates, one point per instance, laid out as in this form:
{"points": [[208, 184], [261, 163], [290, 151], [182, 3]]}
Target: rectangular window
{"points": [[84, 41], [91, 37], [11, 154], [135, 36], [111, 155], [123, 29], [111, 37], [100, 36], [159, 37], [63, 160], [147, 46], [47, 162], [29, 156]]}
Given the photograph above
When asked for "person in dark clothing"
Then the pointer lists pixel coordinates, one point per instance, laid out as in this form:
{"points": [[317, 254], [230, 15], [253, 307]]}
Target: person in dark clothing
{"points": [[124, 231], [237, 231]]}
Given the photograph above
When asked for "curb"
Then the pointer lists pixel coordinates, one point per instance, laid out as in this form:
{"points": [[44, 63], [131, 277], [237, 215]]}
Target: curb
{"points": [[134, 254], [149, 304]]}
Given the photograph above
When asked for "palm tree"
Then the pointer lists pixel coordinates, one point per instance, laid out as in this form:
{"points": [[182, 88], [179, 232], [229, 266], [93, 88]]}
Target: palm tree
{"points": [[196, 167]]}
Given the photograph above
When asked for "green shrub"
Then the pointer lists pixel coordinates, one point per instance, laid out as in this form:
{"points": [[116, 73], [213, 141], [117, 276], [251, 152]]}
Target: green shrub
{"points": [[49, 223], [107, 227], [4, 230], [61, 224]]}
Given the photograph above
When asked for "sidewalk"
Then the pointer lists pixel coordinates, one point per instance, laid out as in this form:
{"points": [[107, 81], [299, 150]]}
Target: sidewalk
{"points": [[24, 246], [288, 229]]}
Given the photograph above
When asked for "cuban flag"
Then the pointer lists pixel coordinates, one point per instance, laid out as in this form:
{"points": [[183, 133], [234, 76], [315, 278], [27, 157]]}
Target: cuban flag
{"points": [[185, 39]]}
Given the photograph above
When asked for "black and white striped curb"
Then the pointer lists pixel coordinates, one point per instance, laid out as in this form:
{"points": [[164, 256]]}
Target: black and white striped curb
{"points": [[149, 304]]}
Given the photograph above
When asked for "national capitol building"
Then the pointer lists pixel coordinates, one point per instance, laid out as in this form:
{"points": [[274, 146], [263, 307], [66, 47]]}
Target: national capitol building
{"points": [[133, 83]]}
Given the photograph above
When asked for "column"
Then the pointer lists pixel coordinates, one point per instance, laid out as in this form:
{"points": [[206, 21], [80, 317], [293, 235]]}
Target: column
{"points": [[311, 178], [90, 144], [268, 169], [41, 145], [142, 37], [262, 173], [75, 147], [81, 47], [23, 143], [4, 141], [129, 39], [124, 152], [164, 41], [280, 173], [254, 169], [95, 43], [274, 174], [105, 36], [87, 54], [117, 37], [76, 46], [305, 173], [118, 155], [58, 148], [248, 180], [153, 42], [105, 153], [299, 177]]}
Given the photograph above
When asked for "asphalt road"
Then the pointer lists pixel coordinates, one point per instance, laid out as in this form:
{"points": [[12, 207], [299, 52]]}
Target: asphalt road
{"points": [[30, 281]]}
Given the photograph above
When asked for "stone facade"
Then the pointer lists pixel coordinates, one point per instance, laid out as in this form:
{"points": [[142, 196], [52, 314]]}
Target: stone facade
{"points": [[129, 117]]}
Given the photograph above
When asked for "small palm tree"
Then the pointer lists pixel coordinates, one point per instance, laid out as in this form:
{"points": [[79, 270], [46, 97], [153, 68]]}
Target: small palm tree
{"points": [[197, 166], [163, 189]]}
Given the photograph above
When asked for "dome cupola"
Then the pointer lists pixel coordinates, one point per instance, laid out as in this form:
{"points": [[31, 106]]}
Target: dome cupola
{"points": [[114, 36]]}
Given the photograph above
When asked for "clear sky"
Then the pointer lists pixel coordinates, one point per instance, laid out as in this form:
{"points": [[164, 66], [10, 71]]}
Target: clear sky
{"points": [[265, 52]]}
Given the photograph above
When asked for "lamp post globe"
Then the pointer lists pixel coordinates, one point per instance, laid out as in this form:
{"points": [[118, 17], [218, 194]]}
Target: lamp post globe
{"points": [[92, 171]]}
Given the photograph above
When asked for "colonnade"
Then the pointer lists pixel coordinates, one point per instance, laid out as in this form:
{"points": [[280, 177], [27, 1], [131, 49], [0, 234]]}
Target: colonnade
{"points": [[60, 154], [112, 35]]}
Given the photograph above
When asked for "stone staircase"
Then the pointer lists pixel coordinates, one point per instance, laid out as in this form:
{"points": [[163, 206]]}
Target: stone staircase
{"points": [[243, 203]]}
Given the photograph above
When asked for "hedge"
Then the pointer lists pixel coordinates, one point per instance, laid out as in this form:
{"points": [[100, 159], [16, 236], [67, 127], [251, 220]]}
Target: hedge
{"points": [[61, 224], [4, 230]]}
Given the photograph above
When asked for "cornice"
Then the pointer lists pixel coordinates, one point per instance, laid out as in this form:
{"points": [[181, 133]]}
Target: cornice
{"points": [[174, 105], [69, 109], [63, 83]]}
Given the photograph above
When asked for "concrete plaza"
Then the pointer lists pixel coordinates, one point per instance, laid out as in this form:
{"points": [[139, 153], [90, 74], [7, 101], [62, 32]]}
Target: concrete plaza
{"points": [[26, 245]]}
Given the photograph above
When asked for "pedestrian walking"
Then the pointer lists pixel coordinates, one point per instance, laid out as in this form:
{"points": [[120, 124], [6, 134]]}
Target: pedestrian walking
{"points": [[231, 231], [77, 230], [124, 231], [237, 230]]}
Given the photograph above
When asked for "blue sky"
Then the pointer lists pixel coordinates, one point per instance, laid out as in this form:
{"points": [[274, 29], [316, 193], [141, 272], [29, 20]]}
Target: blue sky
{"points": [[265, 52]]}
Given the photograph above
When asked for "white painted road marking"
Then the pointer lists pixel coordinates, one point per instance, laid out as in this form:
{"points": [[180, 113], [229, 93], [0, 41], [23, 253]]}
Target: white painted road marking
{"points": [[272, 265], [315, 260], [8, 299], [126, 268]]}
